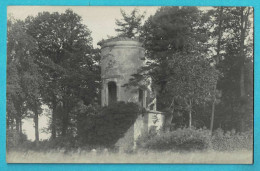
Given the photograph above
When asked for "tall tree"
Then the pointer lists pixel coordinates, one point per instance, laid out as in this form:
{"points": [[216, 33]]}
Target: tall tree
{"points": [[31, 84], [217, 25], [67, 63], [231, 40], [23, 79], [175, 39], [130, 25], [244, 25]]}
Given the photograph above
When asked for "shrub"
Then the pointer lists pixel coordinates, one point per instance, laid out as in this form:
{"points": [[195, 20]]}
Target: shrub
{"points": [[105, 128], [67, 142], [231, 140], [180, 139], [145, 137], [14, 139]]}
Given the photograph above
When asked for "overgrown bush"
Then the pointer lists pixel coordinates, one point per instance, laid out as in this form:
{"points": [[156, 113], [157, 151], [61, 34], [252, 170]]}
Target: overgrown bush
{"points": [[196, 139], [14, 139], [67, 142], [105, 128], [231, 140], [180, 139], [145, 137]]}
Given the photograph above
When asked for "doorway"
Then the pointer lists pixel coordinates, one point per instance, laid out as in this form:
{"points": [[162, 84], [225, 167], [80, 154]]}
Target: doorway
{"points": [[112, 92]]}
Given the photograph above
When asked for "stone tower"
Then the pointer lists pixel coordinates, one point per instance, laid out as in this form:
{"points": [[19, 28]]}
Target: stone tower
{"points": [[120, 59]]}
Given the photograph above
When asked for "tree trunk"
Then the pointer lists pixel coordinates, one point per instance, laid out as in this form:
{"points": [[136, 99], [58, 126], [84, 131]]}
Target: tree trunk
{"points": [[12, 123], [64, 124], [53, 122], [217, 61], [63, 129], [36, 122], [190, 117], [21, 126], [65, 118], [8, 122], [242, 82], [213, 112], [168, 122], [169, 118], [243, 28], [219, 34], [17, 126]]}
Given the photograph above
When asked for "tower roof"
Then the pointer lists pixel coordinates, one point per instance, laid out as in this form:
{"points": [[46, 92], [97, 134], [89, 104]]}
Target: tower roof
{"points": [[120, 41]]}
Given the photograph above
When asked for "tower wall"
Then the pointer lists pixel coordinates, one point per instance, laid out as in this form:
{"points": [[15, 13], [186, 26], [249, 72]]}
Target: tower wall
{"points": [[120, 58]]}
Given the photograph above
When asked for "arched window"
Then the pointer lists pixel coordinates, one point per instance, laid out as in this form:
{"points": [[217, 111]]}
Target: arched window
{"points": [[112, 92]]}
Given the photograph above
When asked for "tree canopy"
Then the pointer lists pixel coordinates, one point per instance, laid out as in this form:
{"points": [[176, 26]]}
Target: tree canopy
{"points": [[23, 77], [51, 61], [68, 63], [130, 25], [175, 40]]}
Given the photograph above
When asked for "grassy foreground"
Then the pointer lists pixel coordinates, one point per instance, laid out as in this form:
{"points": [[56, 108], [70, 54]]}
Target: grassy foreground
{"points": [[241, 157]]}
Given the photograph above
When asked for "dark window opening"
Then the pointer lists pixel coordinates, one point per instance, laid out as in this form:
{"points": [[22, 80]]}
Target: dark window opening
{"points": [[141, 97], [151, 107], [112, 92]]}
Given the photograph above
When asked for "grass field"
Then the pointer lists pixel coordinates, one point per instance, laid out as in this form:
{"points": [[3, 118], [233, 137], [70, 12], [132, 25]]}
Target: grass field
{"points": [[241, 157]]}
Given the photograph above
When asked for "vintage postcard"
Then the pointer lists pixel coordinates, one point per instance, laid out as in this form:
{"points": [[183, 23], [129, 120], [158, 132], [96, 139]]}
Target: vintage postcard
{"points": [[130, 84]]}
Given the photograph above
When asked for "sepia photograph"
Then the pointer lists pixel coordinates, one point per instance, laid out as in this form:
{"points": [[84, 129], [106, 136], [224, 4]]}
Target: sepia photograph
{"points": [[130, 84]]}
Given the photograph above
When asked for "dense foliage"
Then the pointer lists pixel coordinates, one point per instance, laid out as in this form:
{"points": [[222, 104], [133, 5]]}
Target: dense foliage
{"points": [[23, 77], [110, 124], [68, 64], [51, 61], [201, 65], [130, 25], [235, 110], [15, 139], [232, 140], [180, 139], [187, 139], [177, 60]]}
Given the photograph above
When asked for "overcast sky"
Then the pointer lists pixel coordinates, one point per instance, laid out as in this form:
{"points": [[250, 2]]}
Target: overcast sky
{"points": [[99, 19]]}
